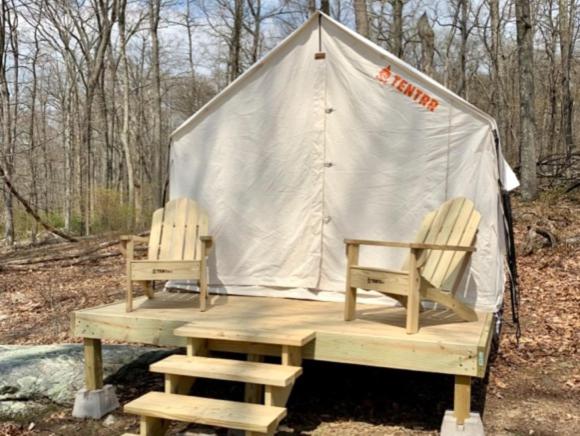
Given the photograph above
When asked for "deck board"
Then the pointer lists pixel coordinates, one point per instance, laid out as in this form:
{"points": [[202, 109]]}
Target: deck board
{"points": [[377, 337]]}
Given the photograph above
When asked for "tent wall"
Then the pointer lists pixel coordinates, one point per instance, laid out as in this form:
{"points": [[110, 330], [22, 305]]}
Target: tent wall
{"points": [[304, 152]]}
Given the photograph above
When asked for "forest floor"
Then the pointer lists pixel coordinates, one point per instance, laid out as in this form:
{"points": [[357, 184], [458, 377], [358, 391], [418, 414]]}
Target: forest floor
{"points": [[533, 388]]}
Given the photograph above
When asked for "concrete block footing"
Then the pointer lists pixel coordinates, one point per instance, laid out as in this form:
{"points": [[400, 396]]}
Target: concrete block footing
{"points": [[473, 426], [95, 404]]}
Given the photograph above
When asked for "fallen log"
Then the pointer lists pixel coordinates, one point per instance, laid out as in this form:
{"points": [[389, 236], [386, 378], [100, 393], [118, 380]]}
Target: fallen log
{"points": [[15, 264], [30, 210]]}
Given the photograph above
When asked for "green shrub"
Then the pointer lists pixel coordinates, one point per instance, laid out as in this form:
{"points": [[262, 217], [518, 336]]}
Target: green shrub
{"points": [[110, 213]]}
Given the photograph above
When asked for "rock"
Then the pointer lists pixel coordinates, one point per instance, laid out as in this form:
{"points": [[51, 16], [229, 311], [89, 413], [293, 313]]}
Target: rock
{"points": [[110, 420], [55, 372], [19, 409], [198, 431]]}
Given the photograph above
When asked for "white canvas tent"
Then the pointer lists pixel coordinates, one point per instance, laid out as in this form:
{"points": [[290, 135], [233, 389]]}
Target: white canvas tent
{"points": [[306, 149]]}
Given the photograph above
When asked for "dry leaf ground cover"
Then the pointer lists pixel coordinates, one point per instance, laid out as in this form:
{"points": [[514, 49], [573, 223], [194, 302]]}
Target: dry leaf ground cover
{"points": [[533, 388]]}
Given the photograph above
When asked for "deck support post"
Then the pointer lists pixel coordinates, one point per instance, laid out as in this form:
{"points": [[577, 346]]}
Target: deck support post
{"points": [[462, 398], [152, 426], [197, 347], [254, 393], [277, 396], [461, 421], [291, 356], [93, 363], [96, 400]]}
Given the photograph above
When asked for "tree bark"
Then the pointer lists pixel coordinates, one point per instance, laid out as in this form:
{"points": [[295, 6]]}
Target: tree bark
{"points": [[427, 37], [396, 40], [158, 143], [527, 129], [311, 7], [567, 9], [125, 139], [6, 115], [464, 35], [361, 17], [236, 41]]}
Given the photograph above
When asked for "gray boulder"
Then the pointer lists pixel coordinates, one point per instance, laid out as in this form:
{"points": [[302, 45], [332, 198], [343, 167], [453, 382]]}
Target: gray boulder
{"points": [[55, 372]]}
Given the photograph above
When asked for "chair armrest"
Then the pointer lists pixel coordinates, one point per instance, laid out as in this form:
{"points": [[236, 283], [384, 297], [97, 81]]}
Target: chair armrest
{"points": [[412, 245], [134, 238], [127, 245], [207, 241]]}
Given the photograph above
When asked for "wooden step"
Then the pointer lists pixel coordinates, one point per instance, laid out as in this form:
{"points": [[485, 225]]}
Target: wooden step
{"points": [[207, 411], [291, 337], [232, 370]]}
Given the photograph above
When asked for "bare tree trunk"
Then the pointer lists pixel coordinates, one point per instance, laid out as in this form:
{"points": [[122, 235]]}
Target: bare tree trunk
{"points": [[69, 157], [464, 35], [396, 40], [125, 140], [236, 41], [325, 6], [361, 17], [255, 7], [567, 10], [32, 129], [427, 37], [154, 10], [549, 34], [496, 99], [311, 6], [525, 38], [188, 25], [6, 118]]}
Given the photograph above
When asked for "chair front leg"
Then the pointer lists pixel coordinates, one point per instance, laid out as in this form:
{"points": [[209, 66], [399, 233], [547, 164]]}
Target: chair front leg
{"points": [[352, 252], [129, 252], [203, 277], [413, 297]]}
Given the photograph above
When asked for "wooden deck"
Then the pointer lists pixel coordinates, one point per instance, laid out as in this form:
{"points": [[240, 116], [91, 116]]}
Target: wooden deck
{"points": [[377, 337]]}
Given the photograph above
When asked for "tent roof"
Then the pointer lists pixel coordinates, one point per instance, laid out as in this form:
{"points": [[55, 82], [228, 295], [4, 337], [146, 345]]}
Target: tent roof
{"points": [[402, 65]]}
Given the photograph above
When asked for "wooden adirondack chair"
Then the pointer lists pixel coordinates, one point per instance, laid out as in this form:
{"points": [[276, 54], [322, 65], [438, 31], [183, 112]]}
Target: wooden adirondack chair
{"points": [[178, 249], [434, 269]]}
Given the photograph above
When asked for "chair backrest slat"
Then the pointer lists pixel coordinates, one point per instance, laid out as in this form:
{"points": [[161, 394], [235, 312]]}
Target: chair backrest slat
{"points": [[155, 234], [202, 230], [455, 222], [175, 231], [191, 233], [446, 220]]}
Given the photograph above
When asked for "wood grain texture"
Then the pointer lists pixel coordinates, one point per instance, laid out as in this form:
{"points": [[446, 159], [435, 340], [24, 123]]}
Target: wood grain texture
{"points": [[207, 411], [432, 271], [226, 369], [289, 336], [444, 344]]}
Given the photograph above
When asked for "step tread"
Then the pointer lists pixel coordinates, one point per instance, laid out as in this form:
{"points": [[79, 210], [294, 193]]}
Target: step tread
{"points": [[208, 411], [292, 337], [226, 369]]}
